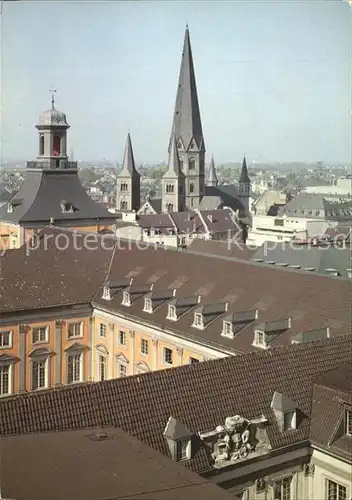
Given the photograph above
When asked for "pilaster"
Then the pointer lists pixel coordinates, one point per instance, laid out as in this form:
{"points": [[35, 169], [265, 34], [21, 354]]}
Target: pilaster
{"points": [[90, 352], [23, 361], [155, 343], [179, 355], [58, 353], [132, 337]]}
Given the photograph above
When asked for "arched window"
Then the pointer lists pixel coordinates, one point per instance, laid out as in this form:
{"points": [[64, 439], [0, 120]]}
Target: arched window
{"points": [[191, 188], [170, 207], [123, 205], [41, 145], [191, 164]]}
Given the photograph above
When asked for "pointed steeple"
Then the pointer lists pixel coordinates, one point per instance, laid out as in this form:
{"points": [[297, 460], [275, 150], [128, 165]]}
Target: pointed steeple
{"points": [[244, 178], [129, 167], [187, 123], [212, 179], [173, 170]]}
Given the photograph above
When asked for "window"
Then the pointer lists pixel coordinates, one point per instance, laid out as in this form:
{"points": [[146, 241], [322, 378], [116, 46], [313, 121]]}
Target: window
{"points": [[259, 338], [227, 329], [103, 330], [191, 188], [5, 339], [122, 338], [124, 187], [39, 374], [171, 314], [335, 491], [148, 307], [181, 450], [41, 145], [74, 330], [5, 371], [126, 299], [102, 367], [289, 420], [144, 346], [123, 205], [56, 146], [282, 489], [40, 334], [348, 422], [191, 164], [74, 366], [193, 360], [121, 369], [198, 319], [167, 356], [10, 208], [169, 207]]}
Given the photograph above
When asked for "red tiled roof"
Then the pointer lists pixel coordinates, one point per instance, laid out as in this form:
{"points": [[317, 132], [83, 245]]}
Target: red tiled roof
{"points": [[200, 395]]}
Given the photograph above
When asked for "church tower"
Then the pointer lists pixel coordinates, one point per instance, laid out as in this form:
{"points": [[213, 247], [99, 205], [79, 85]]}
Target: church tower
{"points": [[244, 186], [212, 179], [187, 129], [52, 127], [128, 182], [173, 183]]}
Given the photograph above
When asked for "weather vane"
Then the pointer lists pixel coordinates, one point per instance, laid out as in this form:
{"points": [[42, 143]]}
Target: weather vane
{"points": [[52, 91]]}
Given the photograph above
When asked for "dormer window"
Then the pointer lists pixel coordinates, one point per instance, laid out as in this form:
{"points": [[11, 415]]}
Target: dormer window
{"points": [[348, 422], [171, 313], [148, 307], [198, 320], [66, 207], [106, 293], [182, 447], [289, 420], [10, 208], [259, 338], [126, 299], [227, 329]]}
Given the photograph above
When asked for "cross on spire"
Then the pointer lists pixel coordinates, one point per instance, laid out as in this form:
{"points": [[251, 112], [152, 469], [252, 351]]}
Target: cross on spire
{"points": [[52, 91]]}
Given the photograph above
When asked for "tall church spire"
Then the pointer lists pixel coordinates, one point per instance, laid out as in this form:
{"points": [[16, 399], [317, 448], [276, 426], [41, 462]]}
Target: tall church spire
{"points": [[186, 122], [128, 182], [244, 177], [212, 179]]}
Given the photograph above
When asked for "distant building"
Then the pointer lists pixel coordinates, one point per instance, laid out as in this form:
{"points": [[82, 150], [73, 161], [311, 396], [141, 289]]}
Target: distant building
{"points": [[340, 191], [51, 192]]}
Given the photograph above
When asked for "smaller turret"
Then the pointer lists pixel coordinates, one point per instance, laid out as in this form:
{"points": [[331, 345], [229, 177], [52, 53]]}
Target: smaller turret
{"points": [[128, 182], [173, 183], [212, 179]]}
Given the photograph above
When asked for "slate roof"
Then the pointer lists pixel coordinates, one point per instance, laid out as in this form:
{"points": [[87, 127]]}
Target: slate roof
{"points": [[221, 248], [5, 195], [316, 206], [42, 193], [118, 466], [216, 221], [128, 166], [332, 395], [211, 174], [227, 194], [141, 405], [187, 122], [244, 177], [319, 258]]}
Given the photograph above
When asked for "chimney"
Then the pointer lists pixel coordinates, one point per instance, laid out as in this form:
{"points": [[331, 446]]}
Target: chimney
{"points": [[349, 273], [226, 306], [52, 221], [151, 287], [199, 298], [131, 281], [174, 292]]}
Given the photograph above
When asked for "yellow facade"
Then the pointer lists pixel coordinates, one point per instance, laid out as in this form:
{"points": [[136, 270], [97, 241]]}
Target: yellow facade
{"points": [[9, 236]]}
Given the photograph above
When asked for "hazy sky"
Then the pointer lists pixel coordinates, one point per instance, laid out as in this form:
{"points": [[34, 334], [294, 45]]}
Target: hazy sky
{"points": [[273, 78]]}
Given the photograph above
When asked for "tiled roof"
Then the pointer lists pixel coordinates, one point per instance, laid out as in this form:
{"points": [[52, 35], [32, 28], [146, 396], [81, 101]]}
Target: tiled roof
{"points": [[114, 465], [332, 394], [141, 405]]}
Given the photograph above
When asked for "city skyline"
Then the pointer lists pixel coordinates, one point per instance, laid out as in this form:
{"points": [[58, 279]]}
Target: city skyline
{"points": [[298, 52]]}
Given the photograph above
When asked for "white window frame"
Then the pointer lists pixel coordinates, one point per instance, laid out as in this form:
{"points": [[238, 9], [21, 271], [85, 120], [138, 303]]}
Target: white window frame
{"points": [[121, 366], [148, 305], [281, 483], [126, 298], [198, 321], [122, 333], [79, 359], [291, 415], [340, 495], [38, 330], [145, 343], [102, 330], [75, 336], [349, 422], [167, 350], [227, 330], [9, 368], [9, 208], [172, 313], [258, 334], [9, 333], [38, 362]]}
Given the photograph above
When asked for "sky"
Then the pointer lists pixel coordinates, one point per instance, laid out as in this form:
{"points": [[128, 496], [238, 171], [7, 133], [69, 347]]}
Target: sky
{"points": [[273, 78]]}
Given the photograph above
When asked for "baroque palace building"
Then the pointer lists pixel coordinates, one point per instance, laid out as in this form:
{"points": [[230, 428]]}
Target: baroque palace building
{"points": [[69, 314], [51, 192]]}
